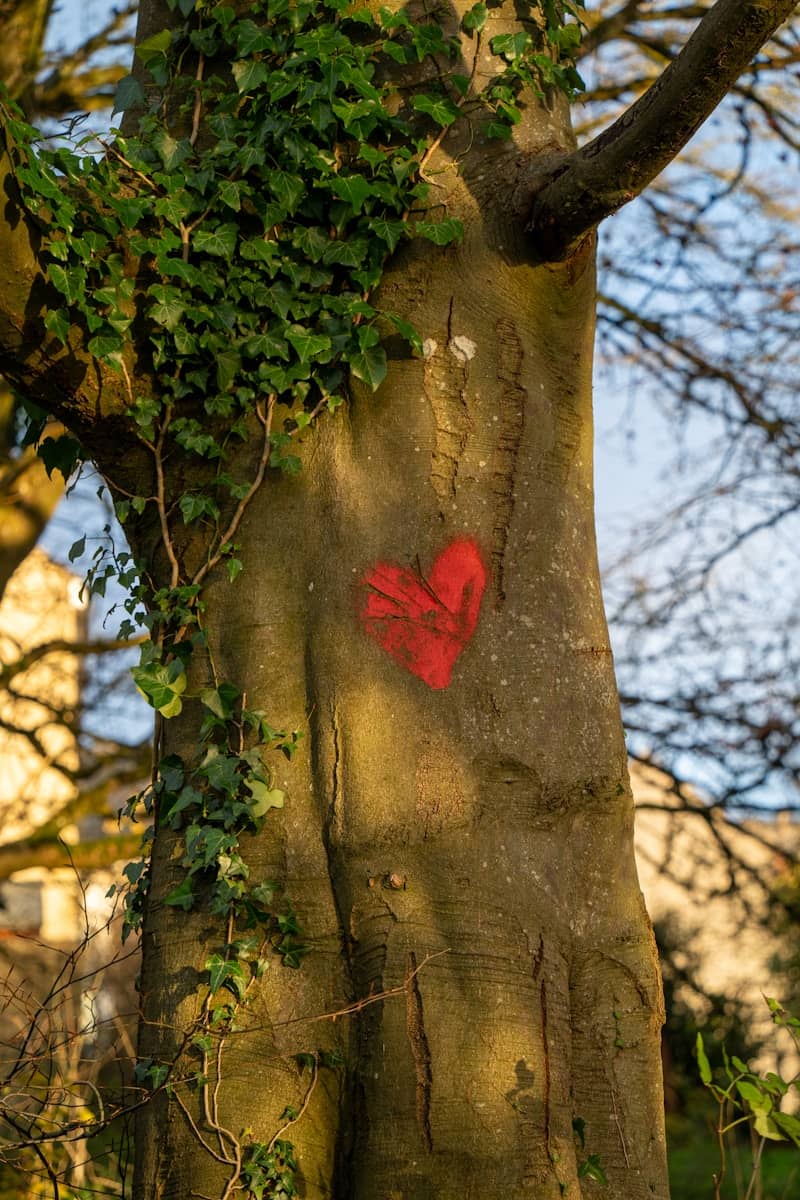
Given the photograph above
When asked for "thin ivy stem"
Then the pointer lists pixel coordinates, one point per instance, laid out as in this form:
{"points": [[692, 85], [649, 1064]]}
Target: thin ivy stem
{"points": [[198, 102], [266, 423], [193, 1126], [756, 1168], [161, 499], [304, 1106]]}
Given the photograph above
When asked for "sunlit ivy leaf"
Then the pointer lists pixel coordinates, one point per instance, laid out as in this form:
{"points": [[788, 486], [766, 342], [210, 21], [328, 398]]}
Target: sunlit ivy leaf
{"points": [[264, 797], [475, 17], [510, 46], [591, 1168], [155, 46], [70, 282], [162, 685], [702, 1060], [449, 229]]}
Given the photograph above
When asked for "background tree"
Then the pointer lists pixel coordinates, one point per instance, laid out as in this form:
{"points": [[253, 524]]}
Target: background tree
{"points": [[467, 770]]}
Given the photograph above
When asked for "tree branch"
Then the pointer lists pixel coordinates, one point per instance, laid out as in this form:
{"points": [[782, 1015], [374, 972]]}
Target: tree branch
{"points": [[581, 189], [68, 382], [85, 856]]}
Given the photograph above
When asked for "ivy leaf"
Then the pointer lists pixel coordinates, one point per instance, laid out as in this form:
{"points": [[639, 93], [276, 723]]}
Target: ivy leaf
{"points": [[264, 797], [307, 345], [229, 363], [57, 321], [288, 189], [388, 230], [155, 46], [248, 74], [266, 345], [106, 346], [442, 110], [229, 194], [222, 700], [406, 330], [129, 93], [169, 307], [252, 38], [441, 232], [181, 896], [353, 189], [220, 241], [510, 46], [475, 17], [788, 1124], [702, 1060], [217, 968], [370, 365], [193, 506], [591, 1168], [162, 685], [174, 207], [60, 454], [70, 282]]}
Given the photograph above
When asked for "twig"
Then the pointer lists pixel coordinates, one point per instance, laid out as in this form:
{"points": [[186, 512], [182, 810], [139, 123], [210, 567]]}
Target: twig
{"points": [[358, 1005], [198, 102]]}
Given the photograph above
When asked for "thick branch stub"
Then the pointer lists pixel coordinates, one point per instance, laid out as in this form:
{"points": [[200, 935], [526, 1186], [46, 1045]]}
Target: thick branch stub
{"points": [[589, 185]]}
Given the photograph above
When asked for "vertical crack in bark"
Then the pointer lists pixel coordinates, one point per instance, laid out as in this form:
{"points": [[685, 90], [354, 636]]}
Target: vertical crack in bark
{"points": [[546, 1054], [445, 385], [511, 417], [335, 815], [420, 1050], [538, 958], [327, 776]]}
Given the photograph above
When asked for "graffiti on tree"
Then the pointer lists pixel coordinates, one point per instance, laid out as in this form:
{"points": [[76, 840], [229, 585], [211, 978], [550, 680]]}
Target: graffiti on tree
{"points": [[425, 623]]}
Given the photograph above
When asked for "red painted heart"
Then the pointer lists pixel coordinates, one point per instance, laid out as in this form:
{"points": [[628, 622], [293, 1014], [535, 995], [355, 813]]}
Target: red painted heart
{"points": [[426, 623]]}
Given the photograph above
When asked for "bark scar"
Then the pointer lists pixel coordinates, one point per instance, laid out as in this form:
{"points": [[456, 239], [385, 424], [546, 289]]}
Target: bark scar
{"points": [[420, 1050], [445, 385]]}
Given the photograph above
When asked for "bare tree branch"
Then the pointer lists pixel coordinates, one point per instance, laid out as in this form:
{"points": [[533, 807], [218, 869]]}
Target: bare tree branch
{"points": [[581, 189]]}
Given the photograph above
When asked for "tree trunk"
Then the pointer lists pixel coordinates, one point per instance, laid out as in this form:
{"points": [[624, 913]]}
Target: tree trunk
{"points": [[458, 828]]}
